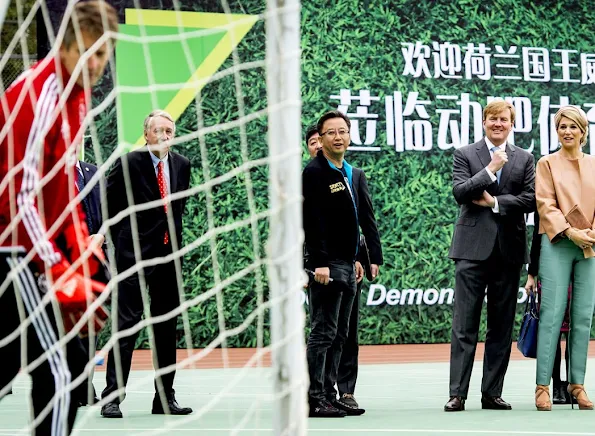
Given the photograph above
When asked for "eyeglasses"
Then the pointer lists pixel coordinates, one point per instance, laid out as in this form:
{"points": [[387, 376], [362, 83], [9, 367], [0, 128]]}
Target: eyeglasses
{"points": [[333, 133]]}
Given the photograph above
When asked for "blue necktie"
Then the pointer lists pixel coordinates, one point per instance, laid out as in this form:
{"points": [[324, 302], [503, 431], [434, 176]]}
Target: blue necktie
{"points": [[499, 172]]}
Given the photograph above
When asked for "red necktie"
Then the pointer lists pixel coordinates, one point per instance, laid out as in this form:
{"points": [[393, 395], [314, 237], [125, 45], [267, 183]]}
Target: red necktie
{"points": [[163, 192]]}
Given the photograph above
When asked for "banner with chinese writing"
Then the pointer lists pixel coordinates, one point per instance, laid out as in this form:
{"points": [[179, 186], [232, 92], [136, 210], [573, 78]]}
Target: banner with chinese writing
{"points": [[413, 77]]}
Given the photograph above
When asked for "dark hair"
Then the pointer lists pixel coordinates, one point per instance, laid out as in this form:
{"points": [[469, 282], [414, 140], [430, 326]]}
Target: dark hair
{"points": [[330, 115], [311, 130]]}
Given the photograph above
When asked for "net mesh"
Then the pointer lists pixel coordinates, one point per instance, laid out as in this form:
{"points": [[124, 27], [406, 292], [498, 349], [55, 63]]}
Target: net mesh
{"points": [[230, 79]]}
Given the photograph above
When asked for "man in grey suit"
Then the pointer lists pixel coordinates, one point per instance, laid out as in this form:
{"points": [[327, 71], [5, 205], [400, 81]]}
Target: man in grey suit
{"points": [[493, 183]]}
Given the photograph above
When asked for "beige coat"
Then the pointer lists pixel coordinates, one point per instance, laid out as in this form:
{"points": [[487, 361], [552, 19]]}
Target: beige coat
{"points": [[560, 184]]}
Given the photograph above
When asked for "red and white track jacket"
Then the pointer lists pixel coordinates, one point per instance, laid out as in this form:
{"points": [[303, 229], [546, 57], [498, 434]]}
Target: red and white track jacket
{"points": [[40, 132]]}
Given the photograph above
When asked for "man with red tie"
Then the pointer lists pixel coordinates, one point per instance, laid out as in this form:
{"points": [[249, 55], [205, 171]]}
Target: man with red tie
{"points": [[148, 174]]}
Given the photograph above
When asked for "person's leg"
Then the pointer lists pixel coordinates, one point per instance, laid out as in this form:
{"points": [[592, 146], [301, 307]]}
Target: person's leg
{"points": [[470, 284], [567, 357], [557, 364], [555, 269], [325, 303], [10, 320], [78, 358], [581, 316], [559, 387], [503, 287], [130, 310], [348, 366], [51, 377], [336, 349], [163, 290]]}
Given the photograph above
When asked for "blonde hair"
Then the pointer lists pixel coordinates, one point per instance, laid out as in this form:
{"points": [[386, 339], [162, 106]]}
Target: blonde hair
{"points": [[498, 106], [577, 115], [89, 17], [157, 113]]}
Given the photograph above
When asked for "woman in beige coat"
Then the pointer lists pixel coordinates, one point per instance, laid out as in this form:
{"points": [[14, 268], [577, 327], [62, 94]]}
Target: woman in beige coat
{"points": [[565, 193]]}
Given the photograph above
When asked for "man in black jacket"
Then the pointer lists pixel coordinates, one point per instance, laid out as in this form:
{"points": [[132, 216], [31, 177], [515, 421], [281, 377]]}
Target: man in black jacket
{"points": [[369, 258], [153, 172], [331, 232]]}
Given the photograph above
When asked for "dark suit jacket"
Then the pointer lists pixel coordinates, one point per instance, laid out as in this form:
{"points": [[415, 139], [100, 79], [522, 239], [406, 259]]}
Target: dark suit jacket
{"points": [[152, 223], [93, 198], [478, 229], [367, 221]]}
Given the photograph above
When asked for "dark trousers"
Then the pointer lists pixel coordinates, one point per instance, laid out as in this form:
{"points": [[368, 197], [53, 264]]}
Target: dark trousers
{"points": [[50, 378], [84, 393], [330, 308], [164, 297], [347, 375], [502, 282]]}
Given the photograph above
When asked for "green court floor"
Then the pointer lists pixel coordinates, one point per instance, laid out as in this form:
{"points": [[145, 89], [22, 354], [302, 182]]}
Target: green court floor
{"points": [[400, 399]]}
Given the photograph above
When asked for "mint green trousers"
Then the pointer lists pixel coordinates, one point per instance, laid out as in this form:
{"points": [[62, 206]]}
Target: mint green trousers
{"points": [[559, 264]]}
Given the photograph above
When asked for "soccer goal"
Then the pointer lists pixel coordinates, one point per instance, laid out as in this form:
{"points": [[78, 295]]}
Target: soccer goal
{"points": [[228, 75]]}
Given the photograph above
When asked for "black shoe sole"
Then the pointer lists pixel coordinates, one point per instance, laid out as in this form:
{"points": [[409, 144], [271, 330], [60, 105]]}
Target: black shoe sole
{"points": [[488, 407], [314, 415], [112, 415], [351, 411], [161, 412], [462, 409]]}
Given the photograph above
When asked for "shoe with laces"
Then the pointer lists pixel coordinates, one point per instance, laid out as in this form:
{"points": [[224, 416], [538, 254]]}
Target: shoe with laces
{"points": [[348, 404], [324, 409]]}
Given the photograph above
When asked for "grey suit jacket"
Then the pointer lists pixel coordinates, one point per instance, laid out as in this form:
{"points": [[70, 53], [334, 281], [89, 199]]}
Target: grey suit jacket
{"points": [[479, 229]]}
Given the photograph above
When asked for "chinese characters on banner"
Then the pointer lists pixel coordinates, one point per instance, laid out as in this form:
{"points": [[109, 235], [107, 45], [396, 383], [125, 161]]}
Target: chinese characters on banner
{"points": [[407, 115]]}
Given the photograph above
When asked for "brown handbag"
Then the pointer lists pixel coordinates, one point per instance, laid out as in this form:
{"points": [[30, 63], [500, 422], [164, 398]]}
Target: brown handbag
{"points": [[577, 219]]}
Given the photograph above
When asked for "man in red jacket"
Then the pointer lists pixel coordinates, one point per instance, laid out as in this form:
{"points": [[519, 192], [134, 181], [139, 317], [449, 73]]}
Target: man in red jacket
{"points": [[47, 259]]}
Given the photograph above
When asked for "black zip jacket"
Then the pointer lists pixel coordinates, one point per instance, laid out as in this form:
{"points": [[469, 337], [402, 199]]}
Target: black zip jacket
{"points": [[330, 217]]}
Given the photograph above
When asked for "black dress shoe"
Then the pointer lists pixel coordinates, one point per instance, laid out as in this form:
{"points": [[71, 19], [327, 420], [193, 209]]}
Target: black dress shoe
{"points": [[494, 403], [560, 394], [348, 404], [111, 410], [455, 404], [324, 409], [171, 408]]}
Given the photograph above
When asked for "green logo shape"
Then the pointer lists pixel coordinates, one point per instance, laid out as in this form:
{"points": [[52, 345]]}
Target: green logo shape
{"points": [[171, 63]]}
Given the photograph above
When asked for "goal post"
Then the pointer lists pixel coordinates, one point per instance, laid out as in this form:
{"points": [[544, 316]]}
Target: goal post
{"points": [[285, 243]]}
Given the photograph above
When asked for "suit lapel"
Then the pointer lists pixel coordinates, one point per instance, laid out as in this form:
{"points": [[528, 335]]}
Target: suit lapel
{"points": [[483, 153], [485, 158], [173, 173], [508, 167]]}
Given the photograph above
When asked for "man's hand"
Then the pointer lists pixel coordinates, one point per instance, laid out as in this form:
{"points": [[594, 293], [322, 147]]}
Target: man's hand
{"points": [[359, 272], [486, 200], [374, 269], [580, 238], [498, 160], [530, 285], [78, 242], [322, 275], [96, 241]]}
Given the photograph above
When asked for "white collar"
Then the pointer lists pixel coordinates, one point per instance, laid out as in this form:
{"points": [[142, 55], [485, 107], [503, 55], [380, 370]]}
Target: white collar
{"points": [[156, 160], [490, 145]]}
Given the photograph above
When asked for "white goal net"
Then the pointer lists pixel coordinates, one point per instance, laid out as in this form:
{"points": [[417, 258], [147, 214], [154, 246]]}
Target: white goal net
{"points": [[227, 73]]}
